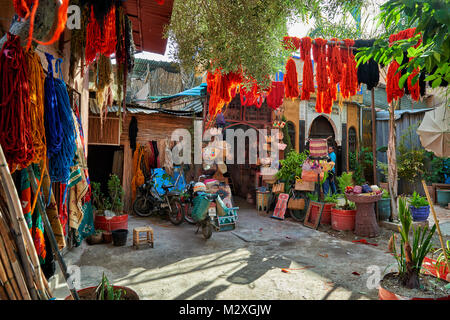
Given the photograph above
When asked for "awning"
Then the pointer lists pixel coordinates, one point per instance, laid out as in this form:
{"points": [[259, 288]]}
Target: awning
{"points": [[198, 91], [384, 115], [148, 19]]}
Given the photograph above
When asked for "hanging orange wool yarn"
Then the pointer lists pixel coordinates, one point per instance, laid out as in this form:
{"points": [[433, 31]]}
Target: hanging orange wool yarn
{"points": [[393, 91], [290, 80], [100, 38], [319, 55], [308, 76], [349, 82]]}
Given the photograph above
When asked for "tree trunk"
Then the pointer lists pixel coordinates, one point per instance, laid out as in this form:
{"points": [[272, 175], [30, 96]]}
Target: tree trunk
{"points": [[43, 23], [392, 161]]}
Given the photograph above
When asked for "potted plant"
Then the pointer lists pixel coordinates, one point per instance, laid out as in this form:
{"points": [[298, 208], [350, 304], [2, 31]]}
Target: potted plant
{"points": [[343, 215], [384, 174], [384, 205], [438, 267], [95, 238], [408, 283], [330, 202], [419, 206], [439, 174], [106, 291], [291, 167], [111, 217]]}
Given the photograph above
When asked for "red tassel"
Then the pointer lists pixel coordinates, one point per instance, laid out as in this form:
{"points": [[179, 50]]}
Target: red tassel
{"points": [[290, 80], [308, 77]]}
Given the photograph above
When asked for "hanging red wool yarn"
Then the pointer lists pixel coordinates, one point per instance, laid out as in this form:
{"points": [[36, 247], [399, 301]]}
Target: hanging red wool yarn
{"points": [[100, 39], [16, 137], [275, 96], [349, 82], [292, 43], [290, 80], [393, 91], [319, 55], [308, 76]]}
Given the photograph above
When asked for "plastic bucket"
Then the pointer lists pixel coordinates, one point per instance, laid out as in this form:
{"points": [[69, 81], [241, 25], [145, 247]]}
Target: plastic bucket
{"points": [[384, 209], [119, 237], [420, 214], [443, 197], [342, 220], [111, 223]]}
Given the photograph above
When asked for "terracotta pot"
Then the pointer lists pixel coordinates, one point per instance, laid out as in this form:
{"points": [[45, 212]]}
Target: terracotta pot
{"points": [[343, 220], [326, 213], [89, 293], [385, 294]]}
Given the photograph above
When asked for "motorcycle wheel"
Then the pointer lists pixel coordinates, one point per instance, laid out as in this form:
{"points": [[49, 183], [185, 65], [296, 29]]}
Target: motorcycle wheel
{"points": [[142, 207], [176, 216], [207, 230], [187, 214]]}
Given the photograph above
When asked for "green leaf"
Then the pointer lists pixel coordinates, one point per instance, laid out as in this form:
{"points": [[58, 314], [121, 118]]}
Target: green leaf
{"points": [[402, 80], [436, 83]]}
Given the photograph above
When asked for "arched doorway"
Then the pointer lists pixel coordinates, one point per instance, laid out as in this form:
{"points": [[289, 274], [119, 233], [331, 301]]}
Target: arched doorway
{"points": [[321, 128]]}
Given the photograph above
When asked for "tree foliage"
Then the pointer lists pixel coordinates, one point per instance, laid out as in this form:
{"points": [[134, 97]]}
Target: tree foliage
{"points": [[431, 18], [239, 35]]}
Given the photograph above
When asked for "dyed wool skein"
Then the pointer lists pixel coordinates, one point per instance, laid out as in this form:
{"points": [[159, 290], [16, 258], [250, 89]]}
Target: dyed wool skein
{"points": [[15, 126], [61, 162]]}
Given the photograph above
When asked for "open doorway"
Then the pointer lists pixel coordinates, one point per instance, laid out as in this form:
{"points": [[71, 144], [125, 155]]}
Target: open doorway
{"points": [[104, 160]]}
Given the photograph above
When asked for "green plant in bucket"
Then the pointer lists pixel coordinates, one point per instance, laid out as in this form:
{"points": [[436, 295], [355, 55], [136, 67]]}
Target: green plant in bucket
{"points": [[105, 291], [411, 255]]}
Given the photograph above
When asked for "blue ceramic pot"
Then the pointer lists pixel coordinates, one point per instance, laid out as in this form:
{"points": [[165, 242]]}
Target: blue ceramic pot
{"points": [[420, 214], [384, 208]]}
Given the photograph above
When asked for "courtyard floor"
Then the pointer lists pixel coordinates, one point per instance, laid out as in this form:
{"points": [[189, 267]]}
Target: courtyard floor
{"points": [[263, 258]]}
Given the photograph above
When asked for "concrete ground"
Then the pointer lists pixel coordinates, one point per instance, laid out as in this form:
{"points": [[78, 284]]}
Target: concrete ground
{"points": [[242, 264]]}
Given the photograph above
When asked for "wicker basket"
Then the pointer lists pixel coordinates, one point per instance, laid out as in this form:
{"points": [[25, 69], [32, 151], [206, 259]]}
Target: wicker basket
{"points": [[296, 204], [278, 188], [304, 185]]}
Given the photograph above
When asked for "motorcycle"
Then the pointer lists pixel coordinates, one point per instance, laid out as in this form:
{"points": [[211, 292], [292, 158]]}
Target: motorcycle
{"points": [[205, 220], [187, 199], [150, 202]]}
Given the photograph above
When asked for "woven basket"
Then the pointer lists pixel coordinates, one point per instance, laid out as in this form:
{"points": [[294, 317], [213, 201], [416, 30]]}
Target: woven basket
{"points": [[296, 204], [304, 185], [278, 188]]}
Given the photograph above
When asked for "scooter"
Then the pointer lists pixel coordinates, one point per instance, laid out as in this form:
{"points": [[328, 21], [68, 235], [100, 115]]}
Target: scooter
{"points": [[150, 202], [187, 199], [205, 221]]}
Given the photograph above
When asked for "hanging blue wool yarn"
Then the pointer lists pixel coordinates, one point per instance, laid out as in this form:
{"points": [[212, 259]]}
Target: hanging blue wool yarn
{"points": [[60, 163], [53, 128]]}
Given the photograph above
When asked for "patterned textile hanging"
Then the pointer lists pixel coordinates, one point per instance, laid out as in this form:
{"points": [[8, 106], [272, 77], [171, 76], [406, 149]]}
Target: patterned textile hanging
{"points": [[16, 136], [308, 76], [33, 219], [275, 96], [290, 80], [36, 85]]}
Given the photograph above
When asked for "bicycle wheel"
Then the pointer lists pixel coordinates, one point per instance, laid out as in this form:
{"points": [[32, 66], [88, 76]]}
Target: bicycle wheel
{"points": [[176, 215], [187, 213], [143, 207], [299, 215]]}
